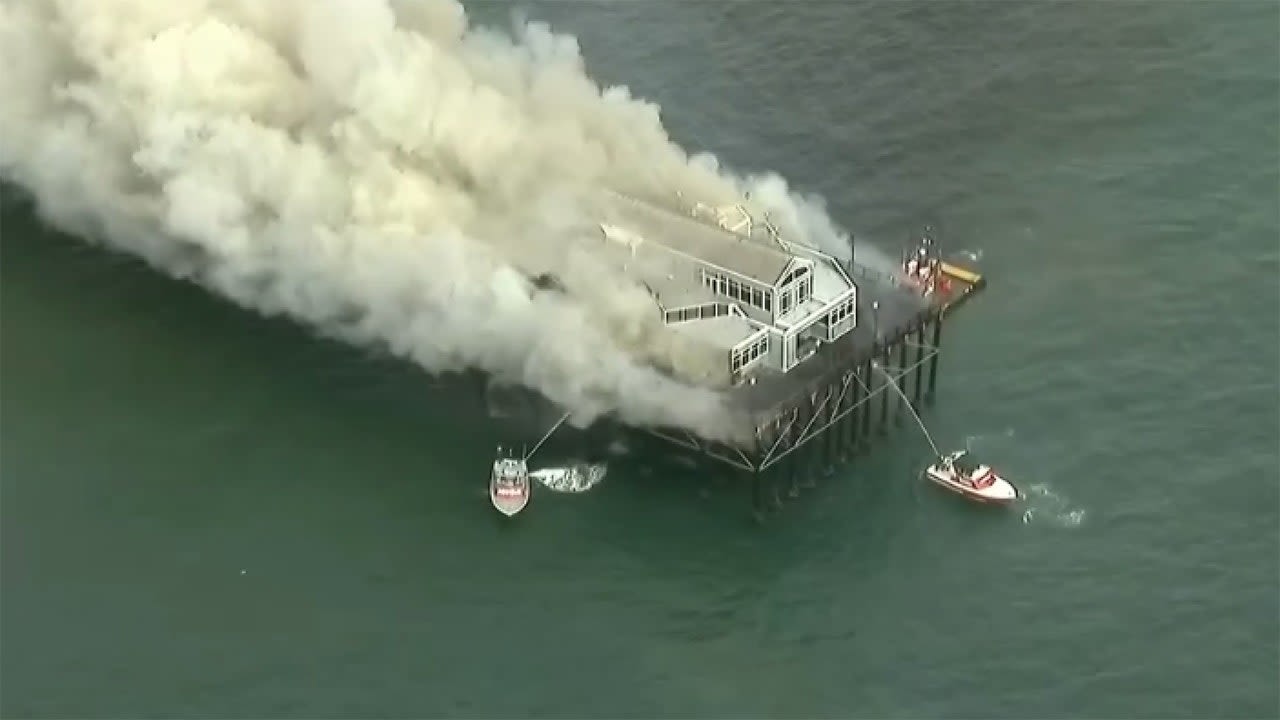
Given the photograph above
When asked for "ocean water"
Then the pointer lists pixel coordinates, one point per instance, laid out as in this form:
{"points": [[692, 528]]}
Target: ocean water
{"points": [[206, 513]]}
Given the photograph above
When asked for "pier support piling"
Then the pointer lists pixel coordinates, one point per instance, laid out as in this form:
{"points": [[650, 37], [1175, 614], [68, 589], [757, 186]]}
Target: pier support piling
{"points": [[886, 395], [853, 421], [919, 385], [933, 361], [904, 343]]}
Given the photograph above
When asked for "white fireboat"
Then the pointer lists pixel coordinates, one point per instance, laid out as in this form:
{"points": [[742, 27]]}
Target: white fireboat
{"points": [[960, 474], [509, 486]]}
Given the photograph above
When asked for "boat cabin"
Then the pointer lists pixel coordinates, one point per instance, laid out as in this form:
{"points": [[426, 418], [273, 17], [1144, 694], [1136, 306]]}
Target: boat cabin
{"points": [[509, 471], [967, 470]]}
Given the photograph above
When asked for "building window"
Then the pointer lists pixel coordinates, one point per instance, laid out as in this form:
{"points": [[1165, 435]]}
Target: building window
{"points": [[712, 310], [736, 290], [841, 312], [745, 356], [805, 289], [704, 311], [795, 290]]}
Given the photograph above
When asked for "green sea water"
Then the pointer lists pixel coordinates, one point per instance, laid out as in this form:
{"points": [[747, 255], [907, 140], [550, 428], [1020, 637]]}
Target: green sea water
{"points": [[205, 513]]}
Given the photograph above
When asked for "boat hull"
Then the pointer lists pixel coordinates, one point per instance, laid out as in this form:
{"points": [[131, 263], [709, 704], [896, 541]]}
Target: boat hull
{"points": [[509, 502]]}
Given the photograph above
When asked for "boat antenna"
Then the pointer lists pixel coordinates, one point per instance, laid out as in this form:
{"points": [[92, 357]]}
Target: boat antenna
{"points": [[914, 414], [544, 437]]}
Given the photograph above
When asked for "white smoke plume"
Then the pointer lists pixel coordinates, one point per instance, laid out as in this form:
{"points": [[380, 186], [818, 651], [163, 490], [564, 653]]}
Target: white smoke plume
{"points": [[377, 169]]}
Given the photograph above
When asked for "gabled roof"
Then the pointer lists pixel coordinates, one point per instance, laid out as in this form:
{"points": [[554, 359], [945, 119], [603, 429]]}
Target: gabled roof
{"points": [[688, 236]]}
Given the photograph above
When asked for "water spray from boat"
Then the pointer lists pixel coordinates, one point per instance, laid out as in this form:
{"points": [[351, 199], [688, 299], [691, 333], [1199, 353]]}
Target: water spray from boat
{"points": [[571, 478], [894, 384], [511, 486], [957, 471], [1047, 506]]}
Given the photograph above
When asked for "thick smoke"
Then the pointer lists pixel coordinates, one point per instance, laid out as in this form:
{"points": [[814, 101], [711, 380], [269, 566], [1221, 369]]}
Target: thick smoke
{"points": [[374, 168]]}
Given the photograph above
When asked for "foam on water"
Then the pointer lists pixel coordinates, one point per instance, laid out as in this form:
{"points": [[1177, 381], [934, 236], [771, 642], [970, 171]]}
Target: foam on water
{"points": [[1042, 503], [1047, 506], [572, 478]]}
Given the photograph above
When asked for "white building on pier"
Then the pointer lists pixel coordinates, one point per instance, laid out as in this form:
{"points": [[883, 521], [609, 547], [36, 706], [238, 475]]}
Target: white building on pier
{"points": [[731, 287]]}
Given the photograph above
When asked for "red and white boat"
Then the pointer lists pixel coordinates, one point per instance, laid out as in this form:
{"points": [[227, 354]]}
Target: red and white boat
{"points": [[960, 474], [509, 486]]}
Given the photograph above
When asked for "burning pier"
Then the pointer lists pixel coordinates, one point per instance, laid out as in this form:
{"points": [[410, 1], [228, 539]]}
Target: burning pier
{"points": [[808, 347]]}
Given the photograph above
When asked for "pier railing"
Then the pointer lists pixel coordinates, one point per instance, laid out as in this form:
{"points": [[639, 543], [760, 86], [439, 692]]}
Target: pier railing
{"points": [[858, 270]]}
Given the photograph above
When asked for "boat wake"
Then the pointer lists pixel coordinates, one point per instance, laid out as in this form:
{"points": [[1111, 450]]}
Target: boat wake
{"points": [[1042, 504], [1046, 506], [573, 478]]}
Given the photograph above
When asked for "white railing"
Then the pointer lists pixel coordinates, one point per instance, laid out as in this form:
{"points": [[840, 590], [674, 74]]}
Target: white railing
{"points": [[701, 311], [868, 273]]}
